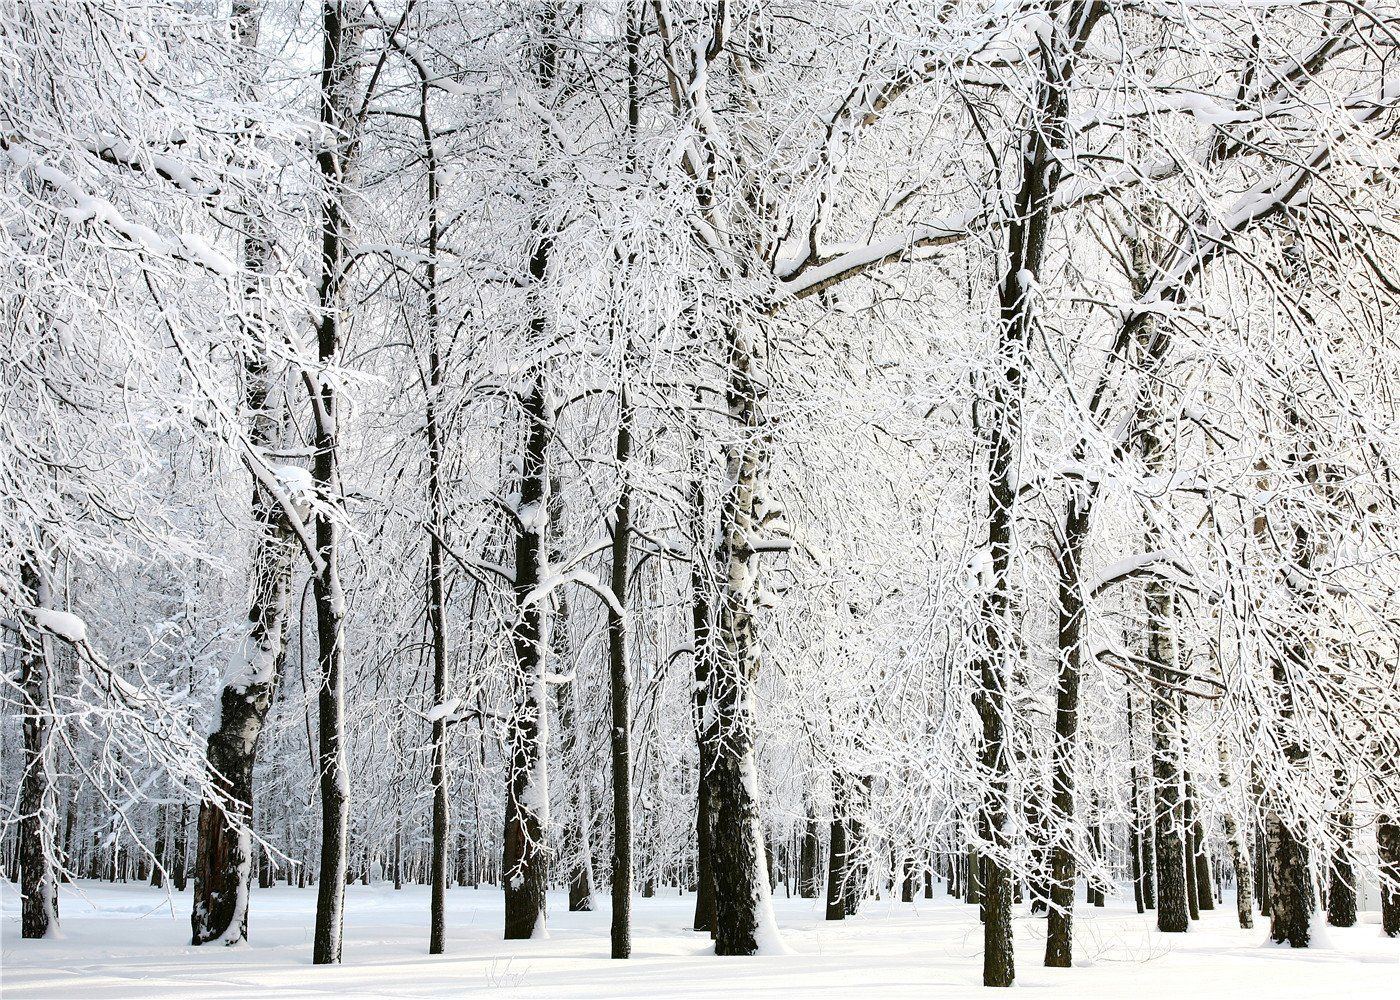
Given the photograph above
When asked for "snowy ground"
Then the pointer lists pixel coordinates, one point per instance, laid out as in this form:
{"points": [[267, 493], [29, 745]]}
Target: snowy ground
{"points": [[132, 942]]}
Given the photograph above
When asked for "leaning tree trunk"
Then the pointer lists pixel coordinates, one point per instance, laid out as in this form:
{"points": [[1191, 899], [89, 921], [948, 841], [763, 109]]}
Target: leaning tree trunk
{"points": [[223, 860], [38, 816], [339, 83]]}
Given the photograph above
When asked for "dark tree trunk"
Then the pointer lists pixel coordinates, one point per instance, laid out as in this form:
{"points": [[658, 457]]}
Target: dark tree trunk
{"points": [[972, 877], [809, 875], [1059, 930], [524, 860], [38, 821], [1173, 916], [1388, 849], [1042, 150], [162, 846], [339, 83], [856, 874], [700, 719], [620, 688], [577, 849], [1341, 889], [179, 872], [619, 674], [1147, 829], [1135, 865], [1261, 869], [1290, 894], [525, 850], [1096, 894], [434, 599], [836, 871], [1205, 897], [742, 906], [1193, 904]]}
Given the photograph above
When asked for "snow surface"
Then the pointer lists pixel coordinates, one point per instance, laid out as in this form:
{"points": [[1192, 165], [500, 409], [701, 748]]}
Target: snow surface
{"points": [[131, 941]]}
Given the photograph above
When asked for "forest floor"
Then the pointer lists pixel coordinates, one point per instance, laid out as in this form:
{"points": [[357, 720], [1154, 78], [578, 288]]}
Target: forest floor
{"points": [[131, 942]]}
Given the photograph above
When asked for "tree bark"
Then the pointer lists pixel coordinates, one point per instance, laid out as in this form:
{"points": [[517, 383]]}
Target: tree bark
{"points": [[1188, 817], [525, 849], [339, 83], [701, 719], [1239, 851], [1388, 849], [1290, 909], [1044, 144], [434, 599], [809, 876], [1341, 889], [620, 691], [223, 845], [38, 817], [837, 862], [524, 860], [1059, 932]]}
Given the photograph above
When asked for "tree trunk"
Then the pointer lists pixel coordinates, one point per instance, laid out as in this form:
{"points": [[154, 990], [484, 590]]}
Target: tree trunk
{"points": [[1261, 867], [702, 721], [38, 819], [743, 902], [1290, 895], [162, 847], [577, 850], [1044, 144], [525, 848], [1188, 818], [223, 845], [1205, 897], [525, 857], [1059, 931], [436, 605], [620, 691], [1341, 889], [1388, 849], [1239, 851], [809, 876], [837, 870], [339, 83]]}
